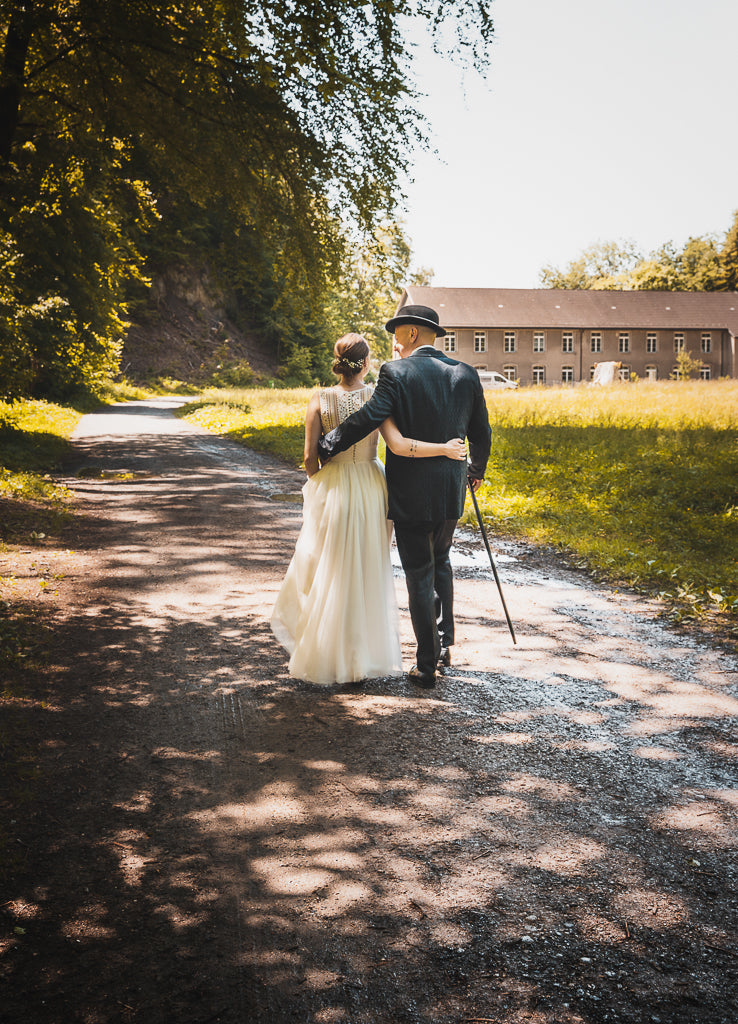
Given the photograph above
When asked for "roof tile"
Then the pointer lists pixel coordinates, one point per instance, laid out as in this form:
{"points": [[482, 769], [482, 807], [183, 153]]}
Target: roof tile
{"points": [[546, 307]]}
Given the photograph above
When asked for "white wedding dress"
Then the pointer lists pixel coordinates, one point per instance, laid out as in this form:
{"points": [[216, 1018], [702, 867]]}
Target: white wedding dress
{"points": [[336, 612]]}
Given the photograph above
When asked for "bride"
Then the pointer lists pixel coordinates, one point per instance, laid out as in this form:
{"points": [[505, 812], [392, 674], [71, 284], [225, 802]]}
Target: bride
{"points": [[336, 612]]}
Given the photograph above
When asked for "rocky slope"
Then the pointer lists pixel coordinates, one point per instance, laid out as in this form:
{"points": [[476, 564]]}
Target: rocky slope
{"points": [[184, 332]]}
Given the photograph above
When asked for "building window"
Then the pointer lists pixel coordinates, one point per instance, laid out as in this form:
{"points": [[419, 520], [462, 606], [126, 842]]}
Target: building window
{"points": [[624, 373], [567, 374], [567, 341], [678, 343], [676, 373], [539, 374], [650, 342], [591, 372], [449, 342], [480, 341], [651, 373], [511, 372], [624, 342], [539, 341], [706, 343], [595, 342], [509, 341], [705, 372]]}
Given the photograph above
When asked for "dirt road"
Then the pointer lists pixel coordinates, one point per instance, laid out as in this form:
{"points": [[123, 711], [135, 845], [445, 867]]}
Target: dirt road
{"points": [[547, 837]]}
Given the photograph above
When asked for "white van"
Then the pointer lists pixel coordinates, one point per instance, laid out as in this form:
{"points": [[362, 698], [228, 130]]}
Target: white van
{"points": [[493, 379]]}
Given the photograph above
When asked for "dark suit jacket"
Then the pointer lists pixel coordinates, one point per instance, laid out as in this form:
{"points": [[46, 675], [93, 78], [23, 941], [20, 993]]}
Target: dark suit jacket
{"points": [[431, 398]]}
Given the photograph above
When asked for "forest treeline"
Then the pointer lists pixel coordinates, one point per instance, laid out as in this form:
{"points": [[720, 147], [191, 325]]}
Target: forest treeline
{"points": [[705, 263], [263, 140]]}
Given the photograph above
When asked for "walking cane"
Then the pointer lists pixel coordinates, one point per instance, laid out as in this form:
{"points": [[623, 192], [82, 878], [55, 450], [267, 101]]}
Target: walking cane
{"points": [[491, 559]]}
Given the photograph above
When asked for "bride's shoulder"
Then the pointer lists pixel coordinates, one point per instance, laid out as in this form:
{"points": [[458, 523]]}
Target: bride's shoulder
{"points": [[315, 401]]}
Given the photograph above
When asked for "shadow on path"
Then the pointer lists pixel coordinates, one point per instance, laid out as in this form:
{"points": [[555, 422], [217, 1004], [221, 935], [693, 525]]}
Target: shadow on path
{"points": [[217, 843]]}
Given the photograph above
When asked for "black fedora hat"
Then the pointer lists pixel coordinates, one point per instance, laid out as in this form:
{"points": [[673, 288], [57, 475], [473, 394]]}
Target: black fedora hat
{"points": [[423, 316]]}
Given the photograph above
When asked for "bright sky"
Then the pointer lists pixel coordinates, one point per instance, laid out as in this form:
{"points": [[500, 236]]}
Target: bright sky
{"points": [[599, 121]]}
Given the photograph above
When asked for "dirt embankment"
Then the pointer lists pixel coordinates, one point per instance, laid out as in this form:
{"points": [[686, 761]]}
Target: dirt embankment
{"points": [[186, 333], [547, 837]]}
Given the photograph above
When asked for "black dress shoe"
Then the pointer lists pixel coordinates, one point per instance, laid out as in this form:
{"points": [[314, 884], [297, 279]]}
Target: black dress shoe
{"points": [[444, 658], [425, 679]]}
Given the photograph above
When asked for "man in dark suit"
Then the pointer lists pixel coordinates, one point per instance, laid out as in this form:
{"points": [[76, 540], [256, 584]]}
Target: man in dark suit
{"points": [[431, 398]]}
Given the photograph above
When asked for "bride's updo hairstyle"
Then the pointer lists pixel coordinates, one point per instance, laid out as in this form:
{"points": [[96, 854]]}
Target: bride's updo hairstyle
{"points": [[350, 351]]}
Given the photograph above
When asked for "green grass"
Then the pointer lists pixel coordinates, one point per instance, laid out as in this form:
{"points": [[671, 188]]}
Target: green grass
{"points": [[164, 385], [637, 483], [33, 443], [668, 404], [124, 391], [265, 419]]}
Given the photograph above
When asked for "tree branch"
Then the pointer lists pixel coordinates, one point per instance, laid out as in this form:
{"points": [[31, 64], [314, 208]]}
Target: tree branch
{"points": [[12, 75]]}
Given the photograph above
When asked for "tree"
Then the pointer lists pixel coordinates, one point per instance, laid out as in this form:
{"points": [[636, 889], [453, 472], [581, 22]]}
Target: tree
{"points": [[605, 265], [687, 366], [290, 114], [729, 258], [699, 266], [68, 257], [695, 268], [657, 273], [365, 293]]}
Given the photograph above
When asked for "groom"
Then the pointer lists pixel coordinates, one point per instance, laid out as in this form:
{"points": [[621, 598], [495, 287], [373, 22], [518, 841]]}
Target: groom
{"points": [[431, 398]]}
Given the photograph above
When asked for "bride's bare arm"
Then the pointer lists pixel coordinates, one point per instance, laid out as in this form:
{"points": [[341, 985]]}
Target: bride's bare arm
{"points": [[313, 432], [410, 448]]}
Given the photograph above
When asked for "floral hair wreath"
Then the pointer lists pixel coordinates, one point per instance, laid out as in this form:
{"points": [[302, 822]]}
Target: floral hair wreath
{"points": [[353, 364]]}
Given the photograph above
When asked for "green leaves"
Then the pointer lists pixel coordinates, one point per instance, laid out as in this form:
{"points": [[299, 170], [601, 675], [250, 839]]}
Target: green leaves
{"points": [[70, 220], [699, 266], [286, 126], [364, 294]]}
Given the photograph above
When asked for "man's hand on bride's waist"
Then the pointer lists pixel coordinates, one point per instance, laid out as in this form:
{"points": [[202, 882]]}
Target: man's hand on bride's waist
{"points": [[455, 449]]}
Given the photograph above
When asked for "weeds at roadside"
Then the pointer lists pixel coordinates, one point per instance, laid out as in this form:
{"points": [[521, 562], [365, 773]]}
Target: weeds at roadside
{"points": [[163, 385], [123, 391], [33, 443]]}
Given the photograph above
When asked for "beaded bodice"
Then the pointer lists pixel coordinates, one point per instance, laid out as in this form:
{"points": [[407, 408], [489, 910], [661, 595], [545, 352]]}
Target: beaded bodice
{"points": [[335, 406]]}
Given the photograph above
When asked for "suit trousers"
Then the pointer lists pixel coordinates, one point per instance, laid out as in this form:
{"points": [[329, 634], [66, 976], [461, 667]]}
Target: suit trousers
{"points": [[424, 553]]}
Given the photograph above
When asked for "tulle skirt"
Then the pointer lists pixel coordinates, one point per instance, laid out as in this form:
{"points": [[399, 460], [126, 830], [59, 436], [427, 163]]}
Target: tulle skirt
{"points": [[336, 612]]}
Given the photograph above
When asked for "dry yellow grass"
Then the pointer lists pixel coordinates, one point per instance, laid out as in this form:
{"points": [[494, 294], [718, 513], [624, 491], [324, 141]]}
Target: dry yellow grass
{"points": [[674, 405]]}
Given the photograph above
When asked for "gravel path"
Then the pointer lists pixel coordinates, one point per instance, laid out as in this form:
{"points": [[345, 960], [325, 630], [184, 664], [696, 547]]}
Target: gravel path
{"points": [[547, 837]]}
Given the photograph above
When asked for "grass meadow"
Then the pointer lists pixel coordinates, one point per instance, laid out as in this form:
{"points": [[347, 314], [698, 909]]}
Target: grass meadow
{"points": [[270, 420], [33, 442], [637, 483]]}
